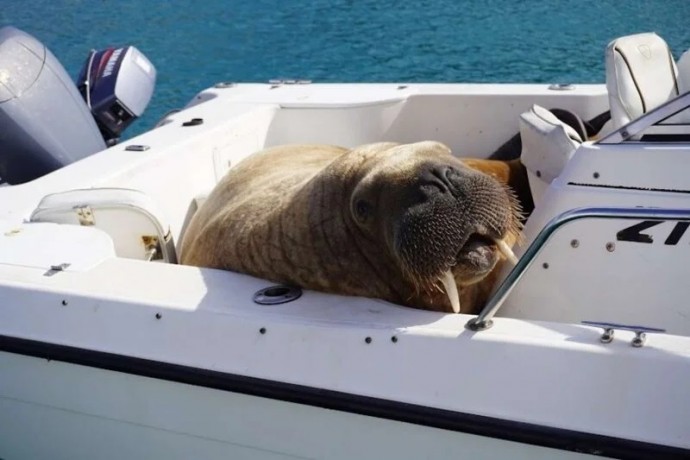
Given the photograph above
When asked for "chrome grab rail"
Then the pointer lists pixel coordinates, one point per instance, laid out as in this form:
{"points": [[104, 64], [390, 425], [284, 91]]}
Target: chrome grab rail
{"points": [[483, 320]]}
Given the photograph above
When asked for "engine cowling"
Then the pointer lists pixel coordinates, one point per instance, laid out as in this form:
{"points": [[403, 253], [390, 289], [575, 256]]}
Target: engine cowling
{"points": [[44, 123], [117, 85]]}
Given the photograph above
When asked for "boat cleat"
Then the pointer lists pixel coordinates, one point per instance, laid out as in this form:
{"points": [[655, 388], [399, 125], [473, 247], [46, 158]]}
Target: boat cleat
{"points": [[609, 329]]}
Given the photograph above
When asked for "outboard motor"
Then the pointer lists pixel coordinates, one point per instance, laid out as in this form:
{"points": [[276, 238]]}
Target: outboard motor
{"points": [[44, 122], [117, 84]]}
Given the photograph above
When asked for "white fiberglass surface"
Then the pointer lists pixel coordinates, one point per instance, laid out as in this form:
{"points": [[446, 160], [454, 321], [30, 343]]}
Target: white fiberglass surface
{"points": [[183, 163]]}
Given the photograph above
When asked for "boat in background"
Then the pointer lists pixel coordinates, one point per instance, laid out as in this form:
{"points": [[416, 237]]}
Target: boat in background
{"points": [[110, 349]]}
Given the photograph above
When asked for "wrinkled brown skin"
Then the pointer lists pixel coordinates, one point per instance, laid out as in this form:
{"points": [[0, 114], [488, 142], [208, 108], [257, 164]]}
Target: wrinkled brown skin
{"points": [[372, 221]]}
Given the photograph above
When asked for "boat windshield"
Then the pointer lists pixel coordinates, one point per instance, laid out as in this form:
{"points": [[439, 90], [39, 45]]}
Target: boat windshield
{"points": [[670, 122]]}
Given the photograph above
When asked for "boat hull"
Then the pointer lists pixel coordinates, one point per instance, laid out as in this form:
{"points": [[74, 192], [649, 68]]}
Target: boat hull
{"points": [[83, 412], [80, 411]]}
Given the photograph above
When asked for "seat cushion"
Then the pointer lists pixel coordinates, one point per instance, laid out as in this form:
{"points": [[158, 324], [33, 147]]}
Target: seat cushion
{"points": [[547, 142], [683, 66], [129, 216], [547, 145], [640, 75]]}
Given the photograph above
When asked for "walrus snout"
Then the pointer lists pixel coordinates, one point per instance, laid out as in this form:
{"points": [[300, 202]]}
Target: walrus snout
{"points": [[456, 224]]}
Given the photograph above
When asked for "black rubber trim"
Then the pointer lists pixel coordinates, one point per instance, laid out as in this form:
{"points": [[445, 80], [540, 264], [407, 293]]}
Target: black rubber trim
{"points": [[508, 430], [630, 187], [670, 138], [194, 122]]}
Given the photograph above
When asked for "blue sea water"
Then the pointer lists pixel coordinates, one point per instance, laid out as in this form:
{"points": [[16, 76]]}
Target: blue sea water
{"points": [[196, 44]]}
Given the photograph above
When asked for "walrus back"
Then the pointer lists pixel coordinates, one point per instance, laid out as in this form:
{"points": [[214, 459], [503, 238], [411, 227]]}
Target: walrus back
{"points": [[244, 199]]}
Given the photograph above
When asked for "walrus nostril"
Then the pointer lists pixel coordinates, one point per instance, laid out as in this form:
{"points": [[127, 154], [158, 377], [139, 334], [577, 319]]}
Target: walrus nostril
{"points": [[449, 172], [439, 176], [446, 173]]}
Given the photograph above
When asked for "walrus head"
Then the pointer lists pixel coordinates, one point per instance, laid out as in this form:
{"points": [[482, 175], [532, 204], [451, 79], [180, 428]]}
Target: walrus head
{"points": [[442, 221]]}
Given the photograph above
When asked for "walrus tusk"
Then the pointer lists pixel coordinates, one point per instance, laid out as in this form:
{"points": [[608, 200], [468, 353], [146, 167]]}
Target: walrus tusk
{"points": [[452, 290], [504, 249]]}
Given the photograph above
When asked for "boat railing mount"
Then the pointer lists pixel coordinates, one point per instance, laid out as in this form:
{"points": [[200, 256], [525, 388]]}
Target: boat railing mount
{"points": [[484, 319]]}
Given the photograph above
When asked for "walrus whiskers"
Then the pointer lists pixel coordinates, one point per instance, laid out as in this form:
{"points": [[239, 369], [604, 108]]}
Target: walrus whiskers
{"points": [[448, 281]]}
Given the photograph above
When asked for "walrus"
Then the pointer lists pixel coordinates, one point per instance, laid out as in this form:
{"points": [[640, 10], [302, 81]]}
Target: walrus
{"points": [[407, 223]]}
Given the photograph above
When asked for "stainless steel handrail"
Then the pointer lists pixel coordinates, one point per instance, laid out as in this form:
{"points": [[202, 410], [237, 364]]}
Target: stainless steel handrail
{"points": [[483, 320]]}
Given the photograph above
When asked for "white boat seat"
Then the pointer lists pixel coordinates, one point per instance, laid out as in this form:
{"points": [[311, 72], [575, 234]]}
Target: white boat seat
{"points": [[683, 66], [129, 216], [547, 145], [640, 75]]}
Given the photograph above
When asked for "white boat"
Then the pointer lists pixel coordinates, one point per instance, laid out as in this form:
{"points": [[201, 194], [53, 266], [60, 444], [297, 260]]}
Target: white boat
{"points": [[109, 349]]}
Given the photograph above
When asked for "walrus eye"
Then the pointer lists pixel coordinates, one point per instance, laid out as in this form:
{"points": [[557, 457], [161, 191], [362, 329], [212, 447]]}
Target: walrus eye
{"points": [[362, 209]]}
